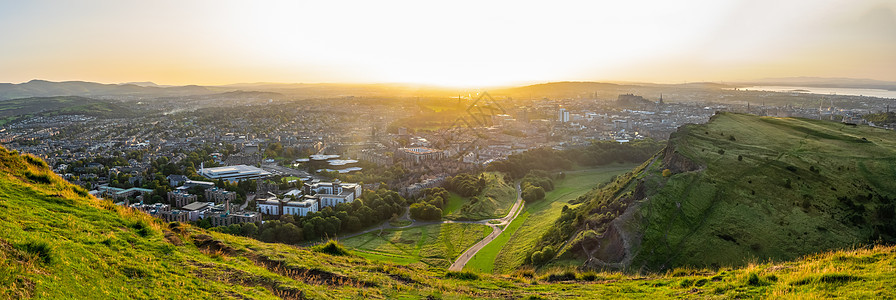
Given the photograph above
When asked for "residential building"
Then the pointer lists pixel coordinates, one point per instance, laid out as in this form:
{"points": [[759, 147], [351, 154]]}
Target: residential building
{"points": [[179, 198], [419, 154], [219, 195]]}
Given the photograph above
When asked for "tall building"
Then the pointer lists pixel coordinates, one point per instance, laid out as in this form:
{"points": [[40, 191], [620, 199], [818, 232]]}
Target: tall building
{"points": [[563, 116]]}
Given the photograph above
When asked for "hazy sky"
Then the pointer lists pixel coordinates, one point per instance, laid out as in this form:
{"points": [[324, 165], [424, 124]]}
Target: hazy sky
{"points": [[444, 42]]}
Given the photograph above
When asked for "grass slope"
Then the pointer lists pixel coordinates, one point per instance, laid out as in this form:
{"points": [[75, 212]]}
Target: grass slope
{"points": [[436, 245], [742, 187], [56, 242], [509, 250], [494, 202]]}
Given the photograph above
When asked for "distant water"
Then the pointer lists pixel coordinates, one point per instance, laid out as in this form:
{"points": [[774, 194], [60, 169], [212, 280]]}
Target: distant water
{"points": [[825, 91]]}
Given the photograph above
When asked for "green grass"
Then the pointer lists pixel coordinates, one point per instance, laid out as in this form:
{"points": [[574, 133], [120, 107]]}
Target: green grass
{"points": [[290, 178], [494, 202], [435, 245], [58, 244], [509, 250], [455, 201], [484, 260], [744, 187]]}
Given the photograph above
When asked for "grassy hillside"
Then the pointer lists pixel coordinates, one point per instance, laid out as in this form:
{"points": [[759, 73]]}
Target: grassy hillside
{"points": [[494, 202], [11, 110], [509, 250], [57, 242], [737, 188]]}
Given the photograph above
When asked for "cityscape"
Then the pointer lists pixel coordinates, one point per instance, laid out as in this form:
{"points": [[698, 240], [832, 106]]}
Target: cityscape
{"points": [[409, 150]]}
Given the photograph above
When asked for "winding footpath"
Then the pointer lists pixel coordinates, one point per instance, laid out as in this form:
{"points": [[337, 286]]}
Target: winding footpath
{"points": [[496, 231], [465, 257]]}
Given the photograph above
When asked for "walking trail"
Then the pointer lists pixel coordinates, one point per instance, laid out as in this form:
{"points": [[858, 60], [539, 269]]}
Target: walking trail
{"points": [[465, 257]]}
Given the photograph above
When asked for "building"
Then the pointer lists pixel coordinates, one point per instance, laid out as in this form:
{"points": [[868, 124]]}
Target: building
{"points": [[219, 195], [175, 215], [180, 198], [196, 209], [227, 219], [563, 115], [234, 173], [329, 194], [419, 154], [277, 207], [176, 180], [121, 194]]}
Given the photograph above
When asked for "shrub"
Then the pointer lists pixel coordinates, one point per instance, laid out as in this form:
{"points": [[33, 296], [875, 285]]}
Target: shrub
{"points": [[562, 276], [38, 178], [753, 279], [462, 275], [721, 151], [332, 248], [589, 276]]}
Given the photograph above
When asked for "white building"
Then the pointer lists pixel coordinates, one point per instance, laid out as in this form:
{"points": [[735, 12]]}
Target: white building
{"points": [[330, 194], [277, 207]]}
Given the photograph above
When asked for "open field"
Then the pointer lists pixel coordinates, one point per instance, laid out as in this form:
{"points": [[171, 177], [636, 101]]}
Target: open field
{"points": [[432, 245]]}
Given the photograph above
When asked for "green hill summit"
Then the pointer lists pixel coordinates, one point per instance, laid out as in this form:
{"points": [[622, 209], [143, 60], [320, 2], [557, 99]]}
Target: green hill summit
{"points": [[738, 188]]}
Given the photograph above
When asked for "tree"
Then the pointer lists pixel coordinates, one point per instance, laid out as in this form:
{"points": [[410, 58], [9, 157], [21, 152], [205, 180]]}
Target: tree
{"points": [[249, 229]]}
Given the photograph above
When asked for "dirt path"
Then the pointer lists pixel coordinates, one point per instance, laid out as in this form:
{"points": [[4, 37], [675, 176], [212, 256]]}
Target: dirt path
{"points": [[467, 255], [496, 231]]}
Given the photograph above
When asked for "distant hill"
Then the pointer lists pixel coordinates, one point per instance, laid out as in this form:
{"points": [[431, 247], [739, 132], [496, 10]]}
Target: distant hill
{"points": [[11, 110], [43, 88], [600, 90], [142, 83], [740, 187]]}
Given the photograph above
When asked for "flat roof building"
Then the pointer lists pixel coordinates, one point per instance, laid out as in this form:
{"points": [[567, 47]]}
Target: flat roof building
{"points": [[234, 173]]}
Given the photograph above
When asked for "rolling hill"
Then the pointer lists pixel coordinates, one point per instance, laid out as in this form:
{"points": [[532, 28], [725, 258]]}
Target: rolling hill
{"points": [[738, 189], [43, 88], [11, 110], [58, 242]]}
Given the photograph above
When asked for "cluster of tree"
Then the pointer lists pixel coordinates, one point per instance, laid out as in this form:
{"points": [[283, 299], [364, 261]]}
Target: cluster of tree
{"points": [[466, 184], [374, 207], [276, 149], [535, 184], [539, 178], [542, 256], [425, 211], [430, 204], [532, 193], [595, 154]]}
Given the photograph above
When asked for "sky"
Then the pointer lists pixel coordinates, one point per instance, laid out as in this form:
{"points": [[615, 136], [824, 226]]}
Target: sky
{"points": [[447, 43]]}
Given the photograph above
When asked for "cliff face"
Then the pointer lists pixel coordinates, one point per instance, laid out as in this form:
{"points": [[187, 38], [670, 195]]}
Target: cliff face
{"points": [[743, 187]]}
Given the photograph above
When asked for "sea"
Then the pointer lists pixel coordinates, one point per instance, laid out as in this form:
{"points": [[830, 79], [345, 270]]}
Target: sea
{"points": [[825, 91]]}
